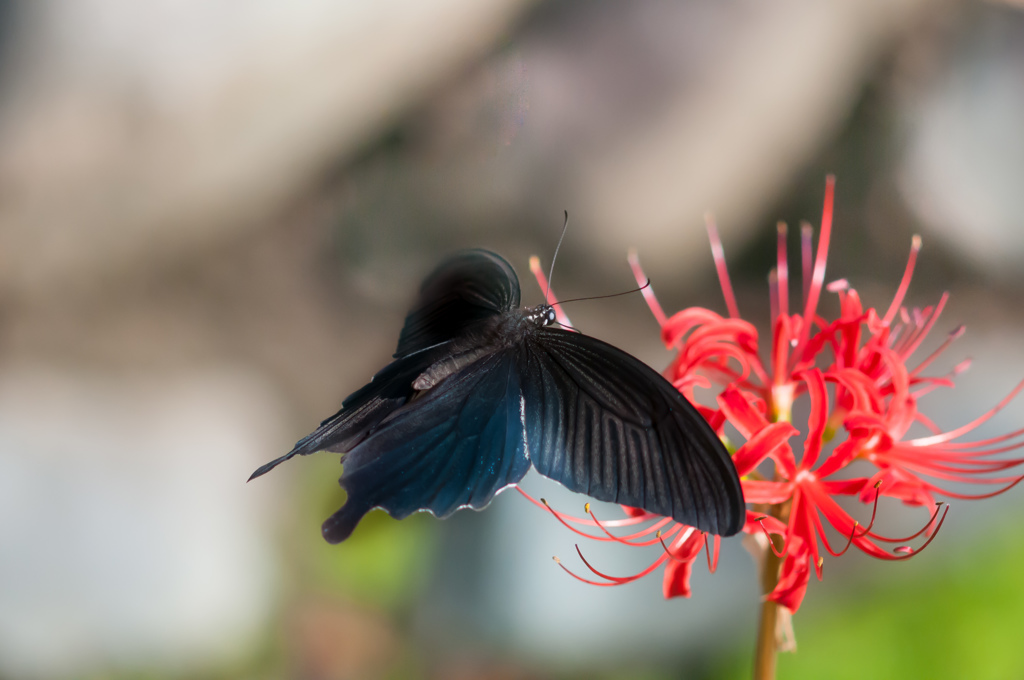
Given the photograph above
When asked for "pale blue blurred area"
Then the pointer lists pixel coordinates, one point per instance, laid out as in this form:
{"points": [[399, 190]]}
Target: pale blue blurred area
{"points": [[521, 599], [214, 214]]}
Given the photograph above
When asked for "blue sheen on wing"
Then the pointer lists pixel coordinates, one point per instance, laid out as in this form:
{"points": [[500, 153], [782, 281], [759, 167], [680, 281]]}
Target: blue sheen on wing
{"points": [[457, 445]]}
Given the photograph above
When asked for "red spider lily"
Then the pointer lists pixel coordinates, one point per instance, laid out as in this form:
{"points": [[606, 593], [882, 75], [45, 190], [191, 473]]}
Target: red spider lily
{"points": [[854, 373]]}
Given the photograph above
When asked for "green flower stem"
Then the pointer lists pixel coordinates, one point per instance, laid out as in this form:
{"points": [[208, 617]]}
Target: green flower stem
{"points": [[767, 628], [767, 631]]}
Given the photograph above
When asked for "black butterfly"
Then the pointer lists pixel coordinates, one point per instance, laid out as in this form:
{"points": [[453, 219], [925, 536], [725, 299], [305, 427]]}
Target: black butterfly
{"points": [[480, 389]]}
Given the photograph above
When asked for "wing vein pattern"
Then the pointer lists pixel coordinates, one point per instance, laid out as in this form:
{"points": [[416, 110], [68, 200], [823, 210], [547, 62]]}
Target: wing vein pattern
{"points": [[605, 424], [456, 446]]}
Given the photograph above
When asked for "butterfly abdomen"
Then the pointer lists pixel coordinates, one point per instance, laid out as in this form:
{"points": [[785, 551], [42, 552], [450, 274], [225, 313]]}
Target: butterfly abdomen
{"points": [[505, 330], [445, 367]]}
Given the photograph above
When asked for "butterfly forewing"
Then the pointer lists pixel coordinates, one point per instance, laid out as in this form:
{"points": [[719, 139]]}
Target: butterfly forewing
{"points": [[465, 290], [605, 424], [364, 409]]}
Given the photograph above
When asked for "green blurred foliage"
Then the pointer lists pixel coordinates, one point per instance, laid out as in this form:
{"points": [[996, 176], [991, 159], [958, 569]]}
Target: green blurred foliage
{"points": [[383, 565], [963, 619]]}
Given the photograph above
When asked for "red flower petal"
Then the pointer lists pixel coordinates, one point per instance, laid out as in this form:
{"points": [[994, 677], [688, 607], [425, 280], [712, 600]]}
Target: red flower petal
{"points": [[758, 491], [676, 582], [763, 444]]}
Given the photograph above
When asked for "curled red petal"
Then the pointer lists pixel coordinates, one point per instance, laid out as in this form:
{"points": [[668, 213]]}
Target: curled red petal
{"points": [[741, 412], [676, 581], [762, 491], [818, 418], [763, 444], [792, 585]]}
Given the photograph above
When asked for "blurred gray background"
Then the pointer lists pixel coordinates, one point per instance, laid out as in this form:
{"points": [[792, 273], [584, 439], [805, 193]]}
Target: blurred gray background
{"points": [[214, 214]]}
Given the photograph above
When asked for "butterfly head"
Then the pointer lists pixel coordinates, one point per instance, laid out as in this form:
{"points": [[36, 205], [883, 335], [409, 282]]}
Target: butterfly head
{"points": [[541, 315]]}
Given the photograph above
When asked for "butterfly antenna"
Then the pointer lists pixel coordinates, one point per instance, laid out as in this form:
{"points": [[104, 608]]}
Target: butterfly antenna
{"points": [[567, 326], [551, 270], [602, 297]]}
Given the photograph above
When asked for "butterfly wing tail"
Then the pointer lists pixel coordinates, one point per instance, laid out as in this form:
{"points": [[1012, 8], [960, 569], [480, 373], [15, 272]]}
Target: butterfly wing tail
{"points": [[342, 523], [264, 469]]}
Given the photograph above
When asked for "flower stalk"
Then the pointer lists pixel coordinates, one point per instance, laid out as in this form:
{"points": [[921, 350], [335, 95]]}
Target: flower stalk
{"points": [[767, 627], [774, 627], [771, 636]]}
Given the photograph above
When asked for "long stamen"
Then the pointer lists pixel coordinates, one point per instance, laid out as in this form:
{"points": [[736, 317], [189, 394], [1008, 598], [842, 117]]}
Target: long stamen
{"points": [[543, 503], [969, 457], [625, 522], [718, 253], [960, 431], [874, 510], [678, 541], [909, 552], [773, 295], [806, 257], [931, 384], [647, 291], [621, 579], [954, 335], [924, 326], [849, 542], [820, 529], [948, 465], [782, 266], [908, 273], [818, 277], [969, 446], [568, 571], [599, 573], [920, 417], [979, 496], [571, 528], [771, 543], [911, 537], [626, 540], [712, 565]]}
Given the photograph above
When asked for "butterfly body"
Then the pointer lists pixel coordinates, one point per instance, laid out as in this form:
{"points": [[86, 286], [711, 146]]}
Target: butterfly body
{"points": [[509, 329], [481, 389]]}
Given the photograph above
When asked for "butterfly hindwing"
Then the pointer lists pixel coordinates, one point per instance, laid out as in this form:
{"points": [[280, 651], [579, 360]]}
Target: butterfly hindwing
{"points": [[605, 424], [456, 445], [464, 290]]}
